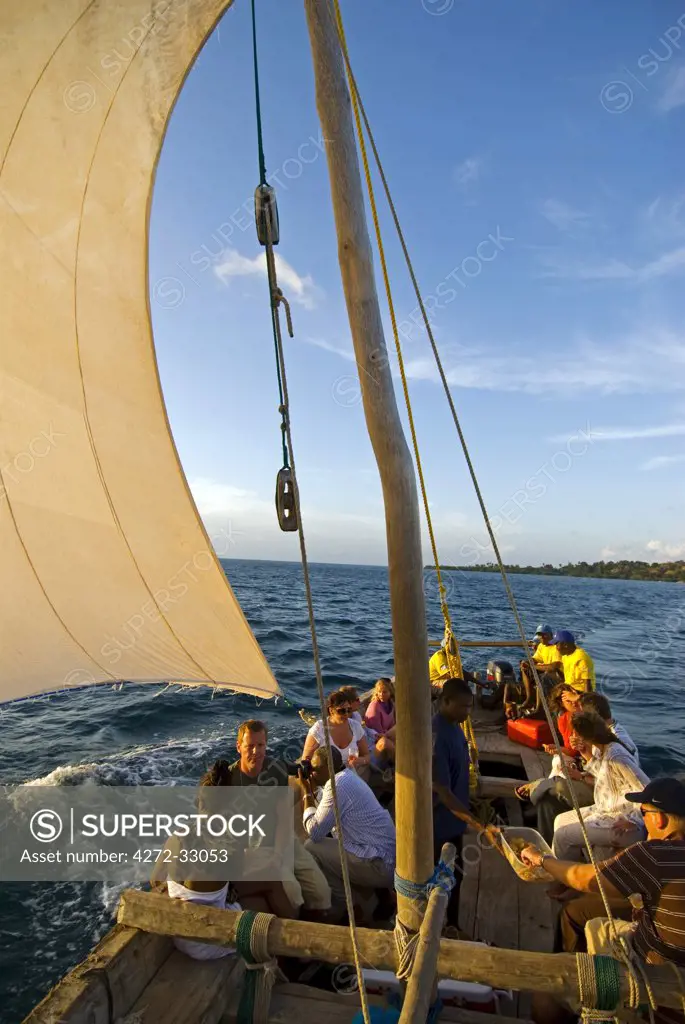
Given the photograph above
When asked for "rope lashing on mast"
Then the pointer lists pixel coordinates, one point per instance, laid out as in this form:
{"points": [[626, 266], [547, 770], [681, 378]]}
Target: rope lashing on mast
{"points": [[252, 943], [294, 522], [451, 643], [621, 950], [268, 235], [407, 942]]}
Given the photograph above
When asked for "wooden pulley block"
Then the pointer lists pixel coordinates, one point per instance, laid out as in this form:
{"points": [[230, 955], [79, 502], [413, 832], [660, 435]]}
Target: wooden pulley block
{"points": [[286, 508]]}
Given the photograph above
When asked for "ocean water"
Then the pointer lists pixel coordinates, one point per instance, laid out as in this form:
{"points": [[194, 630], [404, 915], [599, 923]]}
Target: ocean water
{"points": [[143, 734]]}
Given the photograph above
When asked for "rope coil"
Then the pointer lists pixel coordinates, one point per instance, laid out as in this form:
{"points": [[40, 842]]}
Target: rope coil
{"points": [[262, 969]]}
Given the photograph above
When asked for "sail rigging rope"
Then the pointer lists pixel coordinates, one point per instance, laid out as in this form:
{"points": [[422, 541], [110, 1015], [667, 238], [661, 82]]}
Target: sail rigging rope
{"points": [[358, 105], [275, 295], [272, 282], [450, 641]]}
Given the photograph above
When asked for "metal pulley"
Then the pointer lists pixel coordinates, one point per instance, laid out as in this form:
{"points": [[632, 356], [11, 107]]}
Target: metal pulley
{"points": [[266, 215], [286, 508]]}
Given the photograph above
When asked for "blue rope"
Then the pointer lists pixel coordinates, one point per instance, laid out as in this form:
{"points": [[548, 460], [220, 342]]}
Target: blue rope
{"points": [[442, 878], [395, 1002]]}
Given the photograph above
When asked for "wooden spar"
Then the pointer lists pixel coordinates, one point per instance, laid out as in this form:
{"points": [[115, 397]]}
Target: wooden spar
{"points": [[480, 643], [554, 973], [413, 794], [422, 984]]}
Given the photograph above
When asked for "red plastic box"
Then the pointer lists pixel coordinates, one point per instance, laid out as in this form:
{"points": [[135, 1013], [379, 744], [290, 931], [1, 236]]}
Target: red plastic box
{"points": [[531, 732]]}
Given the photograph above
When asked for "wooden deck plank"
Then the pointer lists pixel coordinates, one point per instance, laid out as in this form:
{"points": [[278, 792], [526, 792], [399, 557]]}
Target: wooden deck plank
{"points": [[468, 897], [187, 991]]}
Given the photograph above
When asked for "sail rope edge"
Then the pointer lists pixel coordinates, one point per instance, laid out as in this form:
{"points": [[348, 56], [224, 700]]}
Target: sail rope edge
{"points": [[275, 299]]}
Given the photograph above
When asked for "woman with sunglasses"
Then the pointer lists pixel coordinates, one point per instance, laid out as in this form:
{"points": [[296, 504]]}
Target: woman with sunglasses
{"points": [[611, 821], [347, 734]]}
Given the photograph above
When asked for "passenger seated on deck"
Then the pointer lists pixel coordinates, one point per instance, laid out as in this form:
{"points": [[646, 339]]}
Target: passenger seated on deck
{"points": [[380, 714], [551, 796], [576, 664], [598, 702], [367, 828], [650, 875], [352, 694], [305, 884], [544, 657], [269, 897], [347, 736], [612, 822], [379, 722]]}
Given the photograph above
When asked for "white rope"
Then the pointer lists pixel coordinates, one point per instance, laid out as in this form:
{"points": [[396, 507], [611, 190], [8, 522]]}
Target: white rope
{"points": [[276, 298]]}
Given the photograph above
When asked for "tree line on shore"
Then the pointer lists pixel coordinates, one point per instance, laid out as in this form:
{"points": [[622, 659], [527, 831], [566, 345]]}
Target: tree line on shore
{"points": [[669, 572]]}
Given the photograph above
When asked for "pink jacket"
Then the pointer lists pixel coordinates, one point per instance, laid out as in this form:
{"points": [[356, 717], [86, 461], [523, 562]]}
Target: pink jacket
{"points": [[379, 718]]}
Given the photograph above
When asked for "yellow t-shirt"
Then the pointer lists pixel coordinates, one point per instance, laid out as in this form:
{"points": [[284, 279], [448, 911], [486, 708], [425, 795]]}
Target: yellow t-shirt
{"points": [[577, 667], [547, 654], [438, 666]]}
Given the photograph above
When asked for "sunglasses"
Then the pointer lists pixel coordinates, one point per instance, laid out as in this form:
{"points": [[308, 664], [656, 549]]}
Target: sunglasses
{"points": [[342, 711], [644, 811]]}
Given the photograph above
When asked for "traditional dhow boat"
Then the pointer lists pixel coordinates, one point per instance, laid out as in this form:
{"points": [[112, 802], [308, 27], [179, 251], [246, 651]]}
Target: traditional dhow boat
{"points": [[95, 557]]}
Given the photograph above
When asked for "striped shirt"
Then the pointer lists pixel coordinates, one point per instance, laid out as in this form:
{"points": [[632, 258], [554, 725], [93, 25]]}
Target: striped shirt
{"points": [[656, 870], [368, 829]]}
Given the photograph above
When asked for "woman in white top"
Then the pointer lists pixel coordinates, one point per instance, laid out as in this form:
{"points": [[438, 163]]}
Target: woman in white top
{"points": [[347, 734], [611, 821], [265, 896]]}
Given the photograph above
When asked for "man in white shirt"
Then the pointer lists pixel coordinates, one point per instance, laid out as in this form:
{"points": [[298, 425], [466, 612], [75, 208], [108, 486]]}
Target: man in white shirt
{"points": [[368, 830]]}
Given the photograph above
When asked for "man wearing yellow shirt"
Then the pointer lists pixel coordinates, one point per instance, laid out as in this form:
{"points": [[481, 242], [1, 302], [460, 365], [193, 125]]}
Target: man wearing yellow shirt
{"points": [[544, 656], [438, 667], [577, 665]]}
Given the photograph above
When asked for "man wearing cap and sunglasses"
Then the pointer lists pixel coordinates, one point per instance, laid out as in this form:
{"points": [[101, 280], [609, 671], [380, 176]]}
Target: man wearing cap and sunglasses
{"points": [[544, 657], [647, 878]]}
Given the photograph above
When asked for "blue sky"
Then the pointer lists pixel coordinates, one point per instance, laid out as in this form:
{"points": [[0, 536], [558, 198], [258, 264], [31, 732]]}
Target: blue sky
{"points": [[536, 155]]}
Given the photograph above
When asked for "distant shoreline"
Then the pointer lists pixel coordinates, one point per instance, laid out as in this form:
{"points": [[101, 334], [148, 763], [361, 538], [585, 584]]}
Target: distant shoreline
{"points": [[654, 572]]}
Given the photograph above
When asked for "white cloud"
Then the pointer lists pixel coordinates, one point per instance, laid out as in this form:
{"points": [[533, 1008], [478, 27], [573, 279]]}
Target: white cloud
{"points": [[674, 94], [643, 363], [327, 346], [562, 216], [296, 288], [661, 461], [665, 217], [213, 498], [468, 171], [632, 433], [671, 262], [649, 362], [665, 550]]}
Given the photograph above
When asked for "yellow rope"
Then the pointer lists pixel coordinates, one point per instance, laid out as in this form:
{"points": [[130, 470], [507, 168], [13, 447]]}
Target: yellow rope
{"points": [[479, 495], [451, 643]]}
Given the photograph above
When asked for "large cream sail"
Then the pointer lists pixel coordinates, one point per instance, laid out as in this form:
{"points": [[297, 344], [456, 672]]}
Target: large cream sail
{"points": [[107, 572]]}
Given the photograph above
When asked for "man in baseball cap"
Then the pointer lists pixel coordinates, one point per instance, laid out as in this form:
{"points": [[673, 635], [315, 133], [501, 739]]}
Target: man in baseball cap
{"points": [[577, 665], [645, 882], [544, 656]]}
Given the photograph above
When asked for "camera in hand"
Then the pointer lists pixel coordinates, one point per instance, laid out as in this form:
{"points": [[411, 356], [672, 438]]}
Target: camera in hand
{"points": [[300, 769]]}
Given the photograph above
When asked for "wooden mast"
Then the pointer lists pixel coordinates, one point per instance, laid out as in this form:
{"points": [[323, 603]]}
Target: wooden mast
{"points": [[414, 812]]}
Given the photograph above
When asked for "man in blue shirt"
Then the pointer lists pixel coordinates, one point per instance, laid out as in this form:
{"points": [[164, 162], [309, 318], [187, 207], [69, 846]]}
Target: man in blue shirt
{"points": [[451, 814]]}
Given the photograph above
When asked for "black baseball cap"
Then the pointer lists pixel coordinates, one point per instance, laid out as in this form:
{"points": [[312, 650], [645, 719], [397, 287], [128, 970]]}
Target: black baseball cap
{"points": [[667, 795]]}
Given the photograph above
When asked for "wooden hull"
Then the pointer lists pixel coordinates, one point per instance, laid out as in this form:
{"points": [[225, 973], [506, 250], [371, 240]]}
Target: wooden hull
{"points": [[141, 978]]}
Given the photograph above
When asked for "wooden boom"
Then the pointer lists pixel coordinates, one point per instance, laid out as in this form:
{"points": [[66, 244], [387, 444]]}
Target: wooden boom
{"points": [[555, 973]]}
